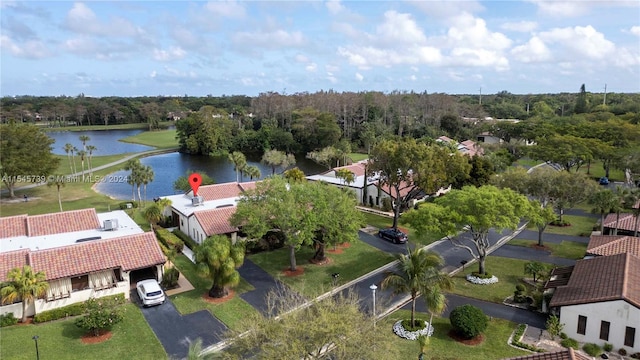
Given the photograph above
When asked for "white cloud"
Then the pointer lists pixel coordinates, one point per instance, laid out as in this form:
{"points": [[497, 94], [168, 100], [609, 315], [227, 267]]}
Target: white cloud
{"points": [[30, 49], [359, 77], [581, 41], [276, 39], [472, 32], [334, 6], [173, 53], [446, 9], [153, 74], [83, 20], [635, 30], [229, 9], [533, 51], [301, 58], [563, 8], [399, 29], [332, 68], [311, 67], [413, 78], [521, 26], [332, 78]]}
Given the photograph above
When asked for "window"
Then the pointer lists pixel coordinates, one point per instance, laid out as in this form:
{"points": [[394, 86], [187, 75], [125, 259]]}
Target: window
{"points": [[80, 283], [629, 336], [604, 330], [582, 324]]}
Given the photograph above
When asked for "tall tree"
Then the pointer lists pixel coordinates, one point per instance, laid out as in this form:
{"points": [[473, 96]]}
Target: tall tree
{"points": [[25, 152], [82, 155], [581, 101], [570, 189], [603, 202], [408, 170], [252, 171], [632, 203], [418, 273], [346, 176], [84, 139], [68, 149], [134, 166], [541, 217], [239, 163], [57, 180], [219, 258], [90, 150], [24, 285], [474, 211], [278, 159]]}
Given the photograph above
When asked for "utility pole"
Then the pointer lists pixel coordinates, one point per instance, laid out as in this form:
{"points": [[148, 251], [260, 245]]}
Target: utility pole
{"points": [[604, 100], [481, 95]]}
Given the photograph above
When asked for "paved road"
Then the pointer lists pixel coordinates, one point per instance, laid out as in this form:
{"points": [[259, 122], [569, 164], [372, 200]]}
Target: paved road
{"points": [[531, 254], [176, 331], [551, 238]]}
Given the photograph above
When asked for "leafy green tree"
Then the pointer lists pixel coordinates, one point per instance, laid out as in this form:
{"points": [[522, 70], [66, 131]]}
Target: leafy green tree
{"points": [[468, 321], [219, 258], [581, 101], [603, 201], [570, 189], [409, 169], [418, 273], [207, 131], [541, 217], [534, 268], [632, 203], [24, 285], [239, 163], [481, 171], [325, 156], [278, 159], [252, 171], [100, 315], [182, 182], [346, 176], [335, 321], [25, 151], [567, 150], [294, 174], [471, 210], [554, 326], [57, 181]]}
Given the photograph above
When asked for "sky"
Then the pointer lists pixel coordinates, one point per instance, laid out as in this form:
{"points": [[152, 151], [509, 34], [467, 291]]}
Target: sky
{"points": [[198, 48]]}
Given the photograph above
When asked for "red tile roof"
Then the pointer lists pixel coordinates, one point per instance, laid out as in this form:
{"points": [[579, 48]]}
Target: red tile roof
{"points": [[625, 222], [357, 169], [603, 278], [220, 191], [11, 260], [13, 226], [128, 252], [216, 221], [472, 148], [62, 222], [606, 245], [404, 189], [247, 186], [566, 354]]}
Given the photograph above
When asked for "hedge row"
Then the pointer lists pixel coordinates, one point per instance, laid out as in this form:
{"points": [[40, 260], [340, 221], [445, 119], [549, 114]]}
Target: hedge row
{"points": [[191, 244], [8, 320], [71, 310], [517, 335], [170, 240]]}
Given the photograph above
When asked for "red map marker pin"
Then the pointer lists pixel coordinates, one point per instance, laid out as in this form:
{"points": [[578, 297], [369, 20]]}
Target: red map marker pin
{"points": [[195, 180]]}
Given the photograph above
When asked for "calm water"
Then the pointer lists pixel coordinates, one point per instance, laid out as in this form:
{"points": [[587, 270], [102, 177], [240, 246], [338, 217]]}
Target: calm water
{"points": [[105, 141], [168, 167]]}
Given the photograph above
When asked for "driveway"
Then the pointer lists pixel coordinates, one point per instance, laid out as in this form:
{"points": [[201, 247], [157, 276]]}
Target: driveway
{"points": [[176, 331]]}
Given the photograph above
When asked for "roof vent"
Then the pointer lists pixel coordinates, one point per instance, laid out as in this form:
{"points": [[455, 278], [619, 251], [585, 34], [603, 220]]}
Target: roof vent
{"points": [[110, 225], [197, 200]]}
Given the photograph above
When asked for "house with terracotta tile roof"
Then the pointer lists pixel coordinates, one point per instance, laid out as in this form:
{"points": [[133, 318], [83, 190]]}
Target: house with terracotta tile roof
{"points": [[607, 245], [625, 223], [210, 215], [566, 354], [467, 147], [598, 300], [82, 254]]}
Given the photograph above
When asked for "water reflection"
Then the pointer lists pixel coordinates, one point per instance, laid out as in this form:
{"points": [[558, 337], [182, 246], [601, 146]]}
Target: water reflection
{"points": [[106, 142]]}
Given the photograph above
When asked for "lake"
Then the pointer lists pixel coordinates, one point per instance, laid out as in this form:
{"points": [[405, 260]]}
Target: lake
{"points": [[106, 141]]}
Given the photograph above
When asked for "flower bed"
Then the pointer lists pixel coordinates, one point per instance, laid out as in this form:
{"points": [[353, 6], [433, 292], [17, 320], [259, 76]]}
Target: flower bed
{"points": [[399, 330], [480, 281]]}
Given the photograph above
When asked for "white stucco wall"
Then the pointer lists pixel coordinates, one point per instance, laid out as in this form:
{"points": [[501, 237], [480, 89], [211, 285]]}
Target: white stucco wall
{"points": [[619, 313]]}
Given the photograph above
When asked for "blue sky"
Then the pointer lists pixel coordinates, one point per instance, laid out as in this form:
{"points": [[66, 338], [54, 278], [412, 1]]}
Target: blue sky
{"points": [[119, 48]]}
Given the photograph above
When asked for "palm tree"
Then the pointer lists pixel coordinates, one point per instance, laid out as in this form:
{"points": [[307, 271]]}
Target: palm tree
{"points": [[90, 150], [346, 176], [133, 165], [419, 274], [68, 148], [153, 214], [74, 150], [632, 202], [82, 154], [147, 176], [219, 258], [57, 181], [620, 195], [252, 171], [24, 284], [239, 163], [275, 159], [84, 139], [195, 351], [603, 201]]}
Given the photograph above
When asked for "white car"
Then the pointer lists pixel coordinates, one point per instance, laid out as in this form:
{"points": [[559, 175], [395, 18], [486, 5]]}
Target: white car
{"points": [[150, 292]]}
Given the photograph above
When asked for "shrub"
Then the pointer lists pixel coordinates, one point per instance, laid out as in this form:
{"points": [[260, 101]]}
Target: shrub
{"points": [[468, 321], [191, 244], [101, 314], [519, 295], [170, 239], [417, 325], [564, 335], [72, 310], [520, 288], [170, 278], [386, 204], [517, 335], [622, 351], [554, 327], [570, 343], [592, 349], [607, 347], [486, 275], [8, 320], [128, 205]]}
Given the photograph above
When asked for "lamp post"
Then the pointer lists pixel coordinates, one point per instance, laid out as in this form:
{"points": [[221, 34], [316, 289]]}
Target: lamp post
{"points": [[373, 288], [35, 338]]}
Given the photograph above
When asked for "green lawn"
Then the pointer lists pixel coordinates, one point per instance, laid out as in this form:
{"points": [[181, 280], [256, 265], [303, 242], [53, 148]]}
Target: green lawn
{"points": [[509, 272], [442, 347], [528, 163], [385, 222], [580, 226], [355, 261], [62, 340], [566, 249], [162, 139], [355, 157], [596, 171], [230, 312], [96, 161]]}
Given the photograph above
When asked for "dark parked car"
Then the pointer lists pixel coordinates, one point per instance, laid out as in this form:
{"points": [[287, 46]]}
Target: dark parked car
{"points": [[393, 235], [604, 180]]}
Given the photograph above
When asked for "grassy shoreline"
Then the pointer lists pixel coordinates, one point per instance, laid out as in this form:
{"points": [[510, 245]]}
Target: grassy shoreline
{"points": [[103, 127]]}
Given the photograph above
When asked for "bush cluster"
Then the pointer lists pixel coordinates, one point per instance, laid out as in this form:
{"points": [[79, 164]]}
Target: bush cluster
{"points": [[570, 343], [170, 240], [520, 296], [8, 320], [170, 278], [486, 275], [607, 347], [417, 324], [71, 310], [592, 349], [125, 205], [468, 321], [186, 239], [100, 314]]}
